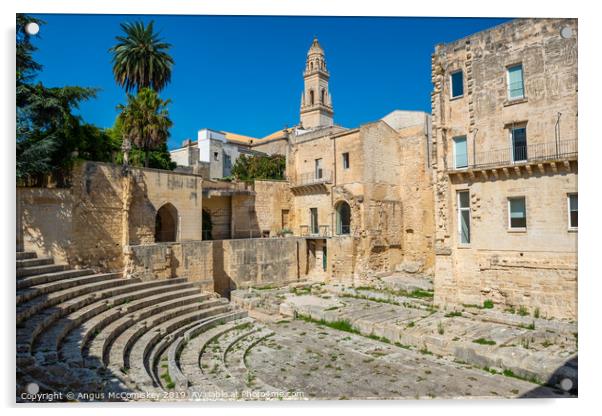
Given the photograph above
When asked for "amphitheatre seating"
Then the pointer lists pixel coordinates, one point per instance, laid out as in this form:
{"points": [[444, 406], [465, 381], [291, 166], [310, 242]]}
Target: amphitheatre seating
{"points": [[88, 331], [210, 358]]}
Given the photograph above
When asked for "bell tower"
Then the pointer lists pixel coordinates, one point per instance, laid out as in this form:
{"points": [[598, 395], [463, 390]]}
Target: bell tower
{"points": [[316, 104]]}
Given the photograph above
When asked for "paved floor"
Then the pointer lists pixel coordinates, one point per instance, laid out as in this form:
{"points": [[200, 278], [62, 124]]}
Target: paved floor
{"points": [[318, 362]]}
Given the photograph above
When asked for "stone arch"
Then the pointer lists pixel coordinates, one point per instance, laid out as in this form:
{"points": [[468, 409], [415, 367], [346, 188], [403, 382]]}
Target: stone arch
{"points": [[343, 218], [166, 224], [311, 97]]}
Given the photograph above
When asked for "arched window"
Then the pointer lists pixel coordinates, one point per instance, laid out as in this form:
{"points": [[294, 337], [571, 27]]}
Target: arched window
{"points": [[166, 224], [343, 218], [323, 96], [311, 97]]}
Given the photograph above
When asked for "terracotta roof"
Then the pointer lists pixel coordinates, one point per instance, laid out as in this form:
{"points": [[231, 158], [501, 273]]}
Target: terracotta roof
{"points": [[275, 135], [238, 138]]}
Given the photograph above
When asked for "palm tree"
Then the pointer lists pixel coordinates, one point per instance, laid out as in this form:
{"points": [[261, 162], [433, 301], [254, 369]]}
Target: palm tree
{"points": [[141, 59], [145, 121]]}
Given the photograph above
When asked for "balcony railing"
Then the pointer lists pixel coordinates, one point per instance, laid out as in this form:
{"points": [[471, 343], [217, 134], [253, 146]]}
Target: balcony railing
{"points": [[322, 231], [537, 152], [312, 178]]}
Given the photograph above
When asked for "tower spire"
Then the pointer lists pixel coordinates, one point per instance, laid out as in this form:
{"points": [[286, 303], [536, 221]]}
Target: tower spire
{"points": [[316, 103]]}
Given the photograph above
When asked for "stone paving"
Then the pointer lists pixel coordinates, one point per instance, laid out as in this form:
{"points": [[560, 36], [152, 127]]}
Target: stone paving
{"points": [[535, 349], [324, 363]]}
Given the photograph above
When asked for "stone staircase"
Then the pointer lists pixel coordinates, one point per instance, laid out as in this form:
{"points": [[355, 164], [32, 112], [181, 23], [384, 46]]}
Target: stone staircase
{"points": [[87, 332]]}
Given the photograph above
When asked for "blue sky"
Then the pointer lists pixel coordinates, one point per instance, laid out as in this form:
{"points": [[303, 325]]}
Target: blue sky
{"points": [[244, 74]]}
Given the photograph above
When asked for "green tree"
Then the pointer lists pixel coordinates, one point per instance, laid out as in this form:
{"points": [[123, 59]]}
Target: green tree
{"points": [[145, 121], [248, 168], [159, 158], [49, 136], [141, 58]]}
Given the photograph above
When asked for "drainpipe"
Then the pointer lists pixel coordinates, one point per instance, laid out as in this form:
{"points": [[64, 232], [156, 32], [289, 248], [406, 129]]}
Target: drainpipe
{"points": [[474, 147], [557, 133]]}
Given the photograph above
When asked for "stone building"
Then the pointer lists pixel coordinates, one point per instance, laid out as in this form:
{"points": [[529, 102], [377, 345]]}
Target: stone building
{"points": [[213, 154], [504, 106], [359, 200], [362, 197]]}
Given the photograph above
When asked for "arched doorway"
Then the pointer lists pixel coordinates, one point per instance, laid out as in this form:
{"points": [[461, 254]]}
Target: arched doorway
{"points": [[166, 224], [343, 211]]}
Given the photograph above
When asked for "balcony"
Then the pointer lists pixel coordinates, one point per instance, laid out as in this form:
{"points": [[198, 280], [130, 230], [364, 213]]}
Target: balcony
{"points": [[552, 154], [323, 231], [311, 182]]}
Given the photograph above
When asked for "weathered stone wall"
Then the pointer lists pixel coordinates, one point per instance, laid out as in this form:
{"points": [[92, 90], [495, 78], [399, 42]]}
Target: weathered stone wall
{"points": [[262, 262], [153, 188], [387, 185], [417, 204], [190, 259], [223, 265], [81, 225], [220, 211], [535, 268], [45, 218], [84, 225], [272, 146], [271, 198], [244, 217], [342, 257]]}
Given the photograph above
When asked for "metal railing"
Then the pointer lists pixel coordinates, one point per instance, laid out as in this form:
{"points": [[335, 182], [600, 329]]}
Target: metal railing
{"points": [[312, 178], [537, 152]]}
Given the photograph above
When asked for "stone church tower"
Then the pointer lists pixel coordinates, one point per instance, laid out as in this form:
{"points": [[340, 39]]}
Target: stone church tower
{"points": [[316, 104]]}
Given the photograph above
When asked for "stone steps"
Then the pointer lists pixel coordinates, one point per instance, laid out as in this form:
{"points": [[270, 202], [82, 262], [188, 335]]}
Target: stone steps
{"points": [[213, 363], [40, 261], [183, 355], [98, 349], [39, 279], [28, 332], [78, 329], [35, 270], [30, 293], [138, 359], [26, 310], [23, 255], [119, 353], [92, 317], [234, 357]]}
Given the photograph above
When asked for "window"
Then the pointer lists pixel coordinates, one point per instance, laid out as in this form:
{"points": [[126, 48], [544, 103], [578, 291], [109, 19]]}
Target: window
{"points": [[313, 213], [323, 96], [572, 200], [518, 135], [311, 97], [464, 216], [346, 160], [343, 211], [457, 84], [517, 211], [227, 165], [215, 156], [285, 214], [460, 152], [516, 88], [318, 169]]}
